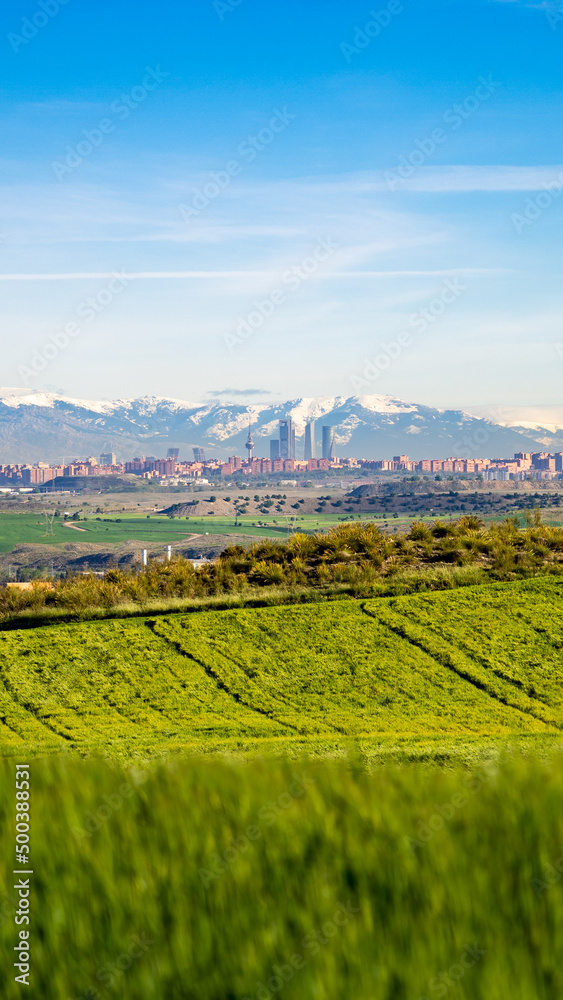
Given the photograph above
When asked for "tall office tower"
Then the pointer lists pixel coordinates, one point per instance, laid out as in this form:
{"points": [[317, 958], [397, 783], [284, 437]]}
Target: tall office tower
{"points": [[199, 455], [108, 459], [287, 439], [173, 453], [249, 444], [274, 449], [309, 440], [328, 442]]}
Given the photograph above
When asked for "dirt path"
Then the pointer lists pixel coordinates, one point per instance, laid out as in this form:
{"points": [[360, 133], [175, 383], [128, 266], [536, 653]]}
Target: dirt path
{"points": [[73, 526]]}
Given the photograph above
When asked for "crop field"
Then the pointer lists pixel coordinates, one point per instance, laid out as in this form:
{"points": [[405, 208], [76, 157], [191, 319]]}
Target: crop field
{"points": [[109, 532], [208, 880], [19, 528], [351, 798], [31, 528], [23, 528], [477, 663]]}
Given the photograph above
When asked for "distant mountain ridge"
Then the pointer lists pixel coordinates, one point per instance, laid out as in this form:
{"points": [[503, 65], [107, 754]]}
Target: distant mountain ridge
{"points": [[36, 426], [543, 422]]}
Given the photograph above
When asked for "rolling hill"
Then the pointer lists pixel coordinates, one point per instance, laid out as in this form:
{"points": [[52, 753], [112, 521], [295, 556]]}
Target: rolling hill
{"points": [[477, 662], [329, 877]]}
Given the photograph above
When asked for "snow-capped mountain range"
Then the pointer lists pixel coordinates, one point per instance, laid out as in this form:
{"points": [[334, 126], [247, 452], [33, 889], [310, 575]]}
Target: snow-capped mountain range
{"points": [[41, 425], [544, 423]]}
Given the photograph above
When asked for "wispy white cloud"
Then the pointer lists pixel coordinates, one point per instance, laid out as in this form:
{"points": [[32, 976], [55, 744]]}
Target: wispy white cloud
{"points": [[452, 179], [535, 4], [201, 234], [128, 275], [229, 393], [213, 275]]}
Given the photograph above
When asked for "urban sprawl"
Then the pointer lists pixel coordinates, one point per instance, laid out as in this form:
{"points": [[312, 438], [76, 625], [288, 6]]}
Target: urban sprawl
{"points": [[171, 470]]}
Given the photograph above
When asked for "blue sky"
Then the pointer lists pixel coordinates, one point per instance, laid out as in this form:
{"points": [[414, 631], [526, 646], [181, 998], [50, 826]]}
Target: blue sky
{"points": [[285, 190]]}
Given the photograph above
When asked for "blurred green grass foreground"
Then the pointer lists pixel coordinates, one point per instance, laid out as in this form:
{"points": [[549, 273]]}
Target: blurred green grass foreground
{"points": [[208, 879]]}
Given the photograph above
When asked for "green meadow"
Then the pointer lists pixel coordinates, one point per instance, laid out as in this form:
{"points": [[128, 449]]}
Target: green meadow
{"points": [[477, 662], [19, 528], [32, 528]]}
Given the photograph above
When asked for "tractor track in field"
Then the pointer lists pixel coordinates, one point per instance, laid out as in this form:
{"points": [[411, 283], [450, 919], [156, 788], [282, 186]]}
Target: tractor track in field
{"points": [[285, 701], [444, 659], [32, 712], [218, 680]]}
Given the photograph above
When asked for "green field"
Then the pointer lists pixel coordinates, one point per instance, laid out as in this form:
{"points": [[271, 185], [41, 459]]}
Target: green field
{"points": [[480, 662], [356, 798], [23, 528], [30, 528], [19, 528], [207, 881]]}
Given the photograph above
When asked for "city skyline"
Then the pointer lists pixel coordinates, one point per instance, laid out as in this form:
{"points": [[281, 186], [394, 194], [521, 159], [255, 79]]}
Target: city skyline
{"points": [[523, 466]]}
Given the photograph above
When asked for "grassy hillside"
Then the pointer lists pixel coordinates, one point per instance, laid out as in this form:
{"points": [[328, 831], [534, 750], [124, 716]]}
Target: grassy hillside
{"points": [[359, 559], [474, 663], [202, 881]]}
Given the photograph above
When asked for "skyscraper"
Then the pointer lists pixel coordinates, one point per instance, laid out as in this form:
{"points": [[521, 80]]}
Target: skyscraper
{"points": [[199, 455], [173, 453], [108, 459], [274, 449], [287, 439], [309, 440], [328, 442]]}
